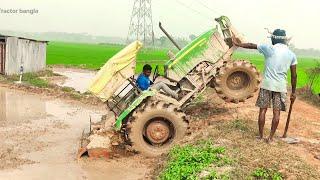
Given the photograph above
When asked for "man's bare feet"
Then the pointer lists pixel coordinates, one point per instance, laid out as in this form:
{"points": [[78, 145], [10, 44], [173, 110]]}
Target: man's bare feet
{"points": [[259, 138], [269, 140]]}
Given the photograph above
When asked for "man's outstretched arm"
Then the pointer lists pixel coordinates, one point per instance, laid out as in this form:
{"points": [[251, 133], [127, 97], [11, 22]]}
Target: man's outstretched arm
{"points": [[293, 70], [245, 45]]}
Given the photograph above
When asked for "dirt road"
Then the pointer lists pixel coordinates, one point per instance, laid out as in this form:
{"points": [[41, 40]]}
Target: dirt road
{"points": [[304, 125], [39, 140]]}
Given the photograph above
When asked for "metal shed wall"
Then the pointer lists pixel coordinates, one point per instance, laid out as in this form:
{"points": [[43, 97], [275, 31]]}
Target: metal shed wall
{"points": [[30, 54]]}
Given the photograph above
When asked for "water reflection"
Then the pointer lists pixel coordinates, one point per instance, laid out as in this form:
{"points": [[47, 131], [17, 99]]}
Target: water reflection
{"points": [[15, 107]]}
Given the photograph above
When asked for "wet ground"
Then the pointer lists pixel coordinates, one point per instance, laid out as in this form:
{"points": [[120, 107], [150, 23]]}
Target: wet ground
{"points": [[78, 79], [40, 137]]}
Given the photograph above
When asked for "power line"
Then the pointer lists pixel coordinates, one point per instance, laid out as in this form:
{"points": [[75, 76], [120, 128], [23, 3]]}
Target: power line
{"points": [[204, 5], [195, 11]]}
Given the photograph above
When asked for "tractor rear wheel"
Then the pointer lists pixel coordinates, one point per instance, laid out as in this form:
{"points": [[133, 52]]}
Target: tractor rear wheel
{"points": [[155, 127], [236, 81]]}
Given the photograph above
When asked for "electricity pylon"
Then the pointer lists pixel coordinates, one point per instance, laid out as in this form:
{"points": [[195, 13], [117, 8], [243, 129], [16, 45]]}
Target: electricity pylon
{"points": [[141, 26]]}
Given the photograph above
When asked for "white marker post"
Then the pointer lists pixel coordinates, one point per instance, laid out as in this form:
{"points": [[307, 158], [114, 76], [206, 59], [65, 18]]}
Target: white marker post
{"points": [[21, 72]]}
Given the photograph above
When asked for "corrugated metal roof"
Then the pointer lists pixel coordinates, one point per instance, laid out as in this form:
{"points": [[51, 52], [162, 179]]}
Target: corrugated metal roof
{"points": [[4, 36]]}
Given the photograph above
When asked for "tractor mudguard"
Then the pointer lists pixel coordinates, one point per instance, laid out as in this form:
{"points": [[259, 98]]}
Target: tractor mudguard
{"points": [[133, 106]]}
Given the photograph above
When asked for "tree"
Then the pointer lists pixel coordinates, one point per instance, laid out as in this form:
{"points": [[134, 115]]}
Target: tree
{"points": [[163, 40]]}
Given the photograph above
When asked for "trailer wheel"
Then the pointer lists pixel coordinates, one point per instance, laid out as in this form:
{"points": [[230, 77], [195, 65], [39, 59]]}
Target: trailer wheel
{"points": [[155, 127], [237, 81]]}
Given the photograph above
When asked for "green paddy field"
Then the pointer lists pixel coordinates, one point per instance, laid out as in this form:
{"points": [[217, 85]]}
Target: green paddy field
{"points": [[93, 56]]}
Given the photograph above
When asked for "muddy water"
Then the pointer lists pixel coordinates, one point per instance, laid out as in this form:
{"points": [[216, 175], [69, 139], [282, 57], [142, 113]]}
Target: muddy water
{"points": [[39, 140], [75, 78]]}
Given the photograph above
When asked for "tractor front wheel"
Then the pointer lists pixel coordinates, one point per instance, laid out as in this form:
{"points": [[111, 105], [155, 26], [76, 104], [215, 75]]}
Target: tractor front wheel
{"points": [[155, 127], [237, 81]]}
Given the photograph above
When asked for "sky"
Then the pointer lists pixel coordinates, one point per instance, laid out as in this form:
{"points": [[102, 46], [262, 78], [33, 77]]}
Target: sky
{"points": [[300, 18]]}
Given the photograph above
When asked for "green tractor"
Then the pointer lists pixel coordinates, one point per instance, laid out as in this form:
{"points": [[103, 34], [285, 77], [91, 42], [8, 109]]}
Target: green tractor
{"points": [[151, 121]]}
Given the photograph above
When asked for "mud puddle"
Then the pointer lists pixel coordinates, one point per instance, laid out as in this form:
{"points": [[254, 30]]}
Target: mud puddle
{"points": [[76, 78], [40, 137]]}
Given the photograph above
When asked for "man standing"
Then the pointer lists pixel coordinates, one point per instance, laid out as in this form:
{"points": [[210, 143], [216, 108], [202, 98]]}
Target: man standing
{"points": [[278, 59], [143, 82]]}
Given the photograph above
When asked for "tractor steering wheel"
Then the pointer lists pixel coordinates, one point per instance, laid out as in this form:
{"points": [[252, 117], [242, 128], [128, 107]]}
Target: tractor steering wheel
{"points": [[156, 73]]}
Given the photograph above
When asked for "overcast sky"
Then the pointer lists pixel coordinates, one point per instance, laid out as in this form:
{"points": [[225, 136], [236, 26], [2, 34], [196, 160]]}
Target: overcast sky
{"points": [[180, 17]]}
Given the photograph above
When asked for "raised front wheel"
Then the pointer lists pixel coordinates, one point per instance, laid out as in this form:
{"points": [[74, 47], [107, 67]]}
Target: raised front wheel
{"points": [[237, 81]]}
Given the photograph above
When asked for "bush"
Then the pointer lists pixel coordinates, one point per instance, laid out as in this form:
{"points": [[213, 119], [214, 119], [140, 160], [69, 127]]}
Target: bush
{"points": [[313, 77]]}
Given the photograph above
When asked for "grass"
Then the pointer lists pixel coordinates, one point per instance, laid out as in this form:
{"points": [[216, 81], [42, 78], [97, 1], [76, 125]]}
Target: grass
{"points": [[187, 162], [240, 125], [262, 173], [41, 80], [93, 56], [32, 78], [67, 89], [305, 94]]}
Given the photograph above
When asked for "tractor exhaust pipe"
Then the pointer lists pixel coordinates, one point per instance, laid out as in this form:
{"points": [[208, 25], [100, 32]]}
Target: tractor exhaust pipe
{"points": [[167, 34]]}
